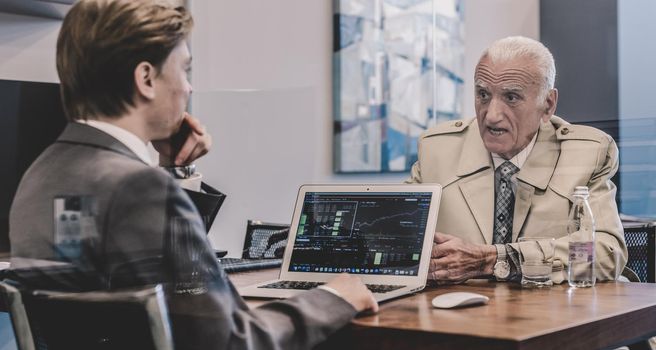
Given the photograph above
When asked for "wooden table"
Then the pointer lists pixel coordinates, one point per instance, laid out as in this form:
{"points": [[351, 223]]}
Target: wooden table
{"points": [[606, 316]]}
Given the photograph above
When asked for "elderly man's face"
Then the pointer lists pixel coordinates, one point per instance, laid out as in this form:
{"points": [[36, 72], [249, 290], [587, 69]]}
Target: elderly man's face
{"points": [[508, 108]]}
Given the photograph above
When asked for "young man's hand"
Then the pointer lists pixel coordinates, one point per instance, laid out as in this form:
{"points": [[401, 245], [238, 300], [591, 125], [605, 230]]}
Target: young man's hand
{"points": [[351, 288], [189, 143]]}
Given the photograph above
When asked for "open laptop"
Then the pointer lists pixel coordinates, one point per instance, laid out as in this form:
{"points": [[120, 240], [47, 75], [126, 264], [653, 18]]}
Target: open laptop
{"points": [[382, 233]]}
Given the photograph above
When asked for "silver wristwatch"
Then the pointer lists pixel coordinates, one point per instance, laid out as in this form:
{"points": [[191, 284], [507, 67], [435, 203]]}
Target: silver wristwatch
{"points": [[181, 172], [501, 267]]}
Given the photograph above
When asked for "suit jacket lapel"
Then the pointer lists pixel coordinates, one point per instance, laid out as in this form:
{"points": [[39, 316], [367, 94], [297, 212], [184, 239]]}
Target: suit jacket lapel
{"points": [[477, 184], [82, 134], [535, 173]]}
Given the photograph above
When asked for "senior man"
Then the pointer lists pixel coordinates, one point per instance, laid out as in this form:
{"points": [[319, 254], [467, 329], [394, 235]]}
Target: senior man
{"points": [[511, 172]]}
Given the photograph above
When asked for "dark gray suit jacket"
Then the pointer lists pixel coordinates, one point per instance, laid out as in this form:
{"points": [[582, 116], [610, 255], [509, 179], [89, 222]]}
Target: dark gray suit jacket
{"points": [[146, 230]]}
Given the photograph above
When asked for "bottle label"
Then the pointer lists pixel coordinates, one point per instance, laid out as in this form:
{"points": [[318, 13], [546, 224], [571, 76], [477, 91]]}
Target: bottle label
{"points": [[581, 252]]}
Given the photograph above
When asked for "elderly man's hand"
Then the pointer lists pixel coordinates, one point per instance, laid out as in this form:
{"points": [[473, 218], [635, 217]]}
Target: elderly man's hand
{"points": [[190, 143], [455, 261]]}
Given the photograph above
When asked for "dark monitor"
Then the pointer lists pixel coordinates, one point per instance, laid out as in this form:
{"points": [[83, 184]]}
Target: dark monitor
{"points": [[31, 118]]}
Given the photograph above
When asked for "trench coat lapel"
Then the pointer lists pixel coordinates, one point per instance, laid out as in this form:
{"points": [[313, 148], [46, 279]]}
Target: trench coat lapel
{"points": [[535, 174], [477, 182]]}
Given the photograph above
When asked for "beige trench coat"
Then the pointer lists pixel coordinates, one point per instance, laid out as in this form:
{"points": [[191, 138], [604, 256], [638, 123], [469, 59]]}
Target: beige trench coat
{"points": [[564, 156]]}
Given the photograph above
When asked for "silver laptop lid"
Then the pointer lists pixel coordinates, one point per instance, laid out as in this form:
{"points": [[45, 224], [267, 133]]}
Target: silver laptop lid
{"points": [[383, 233]]}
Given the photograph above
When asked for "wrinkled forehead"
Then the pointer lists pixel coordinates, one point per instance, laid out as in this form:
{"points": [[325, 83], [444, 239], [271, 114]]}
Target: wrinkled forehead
{"points": [[515, 74]]}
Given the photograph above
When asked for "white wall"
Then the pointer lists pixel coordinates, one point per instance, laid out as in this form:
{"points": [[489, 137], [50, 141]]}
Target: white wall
{"points": [[27, 48], [262, 84]]}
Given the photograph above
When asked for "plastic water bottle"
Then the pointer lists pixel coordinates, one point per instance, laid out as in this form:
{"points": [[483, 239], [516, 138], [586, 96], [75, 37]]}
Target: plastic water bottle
{"points": [[581, 230]]}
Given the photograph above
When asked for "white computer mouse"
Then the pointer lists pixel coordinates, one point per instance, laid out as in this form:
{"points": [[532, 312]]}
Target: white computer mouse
{"points": [[456, 299]]}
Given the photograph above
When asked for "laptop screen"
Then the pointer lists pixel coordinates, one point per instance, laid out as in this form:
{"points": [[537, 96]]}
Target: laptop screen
{"points": [[361, 233]]}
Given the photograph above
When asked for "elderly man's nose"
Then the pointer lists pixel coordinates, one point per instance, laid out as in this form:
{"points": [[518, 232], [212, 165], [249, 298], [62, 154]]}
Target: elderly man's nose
{"points": [[494, 111]]}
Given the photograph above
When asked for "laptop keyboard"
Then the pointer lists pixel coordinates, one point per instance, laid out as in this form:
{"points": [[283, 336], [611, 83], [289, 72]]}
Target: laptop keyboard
{"points": [[231, 265], [374, 288]]}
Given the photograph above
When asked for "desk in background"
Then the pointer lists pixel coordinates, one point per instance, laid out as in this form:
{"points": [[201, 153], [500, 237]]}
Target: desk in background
{"points": [[606, 316]]}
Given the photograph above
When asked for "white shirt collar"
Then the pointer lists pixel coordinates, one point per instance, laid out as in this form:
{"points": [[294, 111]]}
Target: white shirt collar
{"points": [[130, 140], [519, 159]]}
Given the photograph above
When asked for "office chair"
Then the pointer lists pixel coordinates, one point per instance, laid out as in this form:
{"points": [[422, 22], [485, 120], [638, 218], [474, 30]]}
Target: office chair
{"points": [[264, 246], [264, 240], [640, 240], [11, 299], [127, 319]]}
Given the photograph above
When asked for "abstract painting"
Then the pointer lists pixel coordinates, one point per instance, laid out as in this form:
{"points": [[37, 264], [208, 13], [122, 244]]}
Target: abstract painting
{"points": [[397, 70]]}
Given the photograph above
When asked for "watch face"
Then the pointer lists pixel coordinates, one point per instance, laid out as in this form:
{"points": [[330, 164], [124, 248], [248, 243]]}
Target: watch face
{"points": [[501, 270]]}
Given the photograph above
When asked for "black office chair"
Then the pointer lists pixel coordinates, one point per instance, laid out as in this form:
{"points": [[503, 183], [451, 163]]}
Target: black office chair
{"points": [[264, 246], [11, 300], [264, 240], [128, 319], [641, 244]]}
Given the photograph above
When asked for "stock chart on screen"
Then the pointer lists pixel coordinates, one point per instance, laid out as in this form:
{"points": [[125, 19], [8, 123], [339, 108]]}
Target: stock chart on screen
{"points": [[369, 233]]}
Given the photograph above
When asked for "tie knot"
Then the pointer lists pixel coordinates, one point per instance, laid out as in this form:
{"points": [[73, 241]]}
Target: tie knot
{"points": [[507, 170]]}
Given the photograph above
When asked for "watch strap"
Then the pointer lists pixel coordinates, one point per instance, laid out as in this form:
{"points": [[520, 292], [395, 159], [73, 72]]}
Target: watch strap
{"points": [[501, 267], [181, 172], [502, 254]]}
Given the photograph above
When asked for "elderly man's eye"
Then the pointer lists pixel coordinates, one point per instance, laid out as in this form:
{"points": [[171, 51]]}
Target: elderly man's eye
{"points": [[512, 97], [482, 94]]}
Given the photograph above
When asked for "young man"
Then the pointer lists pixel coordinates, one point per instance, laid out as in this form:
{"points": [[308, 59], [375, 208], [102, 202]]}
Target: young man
{"points": [[119, 222]]}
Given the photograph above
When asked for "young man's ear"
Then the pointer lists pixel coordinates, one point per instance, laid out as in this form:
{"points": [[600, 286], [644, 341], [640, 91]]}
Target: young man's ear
{"points": [[144, 80]]}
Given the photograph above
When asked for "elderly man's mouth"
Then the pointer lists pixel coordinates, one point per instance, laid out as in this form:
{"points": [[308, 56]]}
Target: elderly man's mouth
{"points": [[496, 131]]}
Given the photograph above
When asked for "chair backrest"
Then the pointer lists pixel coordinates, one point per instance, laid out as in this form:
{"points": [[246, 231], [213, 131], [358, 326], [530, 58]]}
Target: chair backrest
{"points": [[129, 319], [641, 244], [264, 240], [11, 300]]}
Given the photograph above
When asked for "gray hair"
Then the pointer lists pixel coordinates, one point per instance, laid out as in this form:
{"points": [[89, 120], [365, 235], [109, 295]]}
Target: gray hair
{"points": [[513, 47]]}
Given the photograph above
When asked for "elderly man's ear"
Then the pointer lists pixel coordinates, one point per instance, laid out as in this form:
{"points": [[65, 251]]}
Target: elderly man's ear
{"points": [[550, 104]]}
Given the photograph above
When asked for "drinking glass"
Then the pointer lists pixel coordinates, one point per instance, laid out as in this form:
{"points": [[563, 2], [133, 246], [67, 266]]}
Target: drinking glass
{"points": [[536, 255]]}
